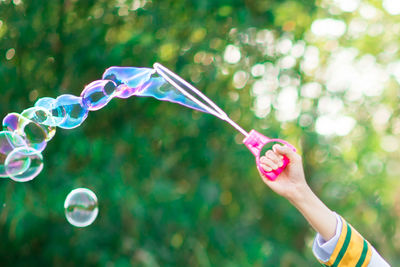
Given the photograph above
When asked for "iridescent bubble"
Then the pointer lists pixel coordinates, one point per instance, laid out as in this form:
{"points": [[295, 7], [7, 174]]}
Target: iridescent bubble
{"points": [[97, 94], [128, 79], [33, 133], [8, 142], [75, 111], [23, 164], [81, 207], [43, 118], [58, 113], [11, 122], [160, 89]]}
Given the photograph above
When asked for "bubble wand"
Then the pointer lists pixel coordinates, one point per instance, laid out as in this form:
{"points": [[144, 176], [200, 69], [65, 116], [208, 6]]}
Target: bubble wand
{"points": [[26, 135], [253, 140]]}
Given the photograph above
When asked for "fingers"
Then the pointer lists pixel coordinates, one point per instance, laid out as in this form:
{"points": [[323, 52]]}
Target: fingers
{"points": [[265, 167], [271, 161], [285, 151]]}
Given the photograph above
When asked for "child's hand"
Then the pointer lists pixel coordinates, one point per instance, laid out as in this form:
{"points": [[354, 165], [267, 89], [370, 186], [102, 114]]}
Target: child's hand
{"points": [[291, 183]]}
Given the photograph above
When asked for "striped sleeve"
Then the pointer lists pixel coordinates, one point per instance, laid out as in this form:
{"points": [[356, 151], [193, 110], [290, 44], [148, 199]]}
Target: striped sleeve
{"points": [[351, 249]]}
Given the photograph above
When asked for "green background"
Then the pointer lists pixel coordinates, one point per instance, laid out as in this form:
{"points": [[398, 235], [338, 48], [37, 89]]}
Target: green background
{"points": [[176, 187]]}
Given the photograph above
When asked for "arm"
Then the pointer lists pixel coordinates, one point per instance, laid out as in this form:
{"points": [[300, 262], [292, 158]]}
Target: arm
{"points": [[292, 185], [337, 242]]}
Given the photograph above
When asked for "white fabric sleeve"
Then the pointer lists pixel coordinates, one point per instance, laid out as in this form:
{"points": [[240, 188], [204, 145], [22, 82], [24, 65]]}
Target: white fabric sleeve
{"points": [[323, 249], [377, 260]]}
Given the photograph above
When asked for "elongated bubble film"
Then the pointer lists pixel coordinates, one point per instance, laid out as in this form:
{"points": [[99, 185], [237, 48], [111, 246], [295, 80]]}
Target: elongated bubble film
{"points": [[25, 135], [145, 82], [158, 88], [128, 79]]}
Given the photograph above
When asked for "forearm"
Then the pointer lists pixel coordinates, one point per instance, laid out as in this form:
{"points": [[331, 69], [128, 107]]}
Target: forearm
{"points": [[318, 215]]}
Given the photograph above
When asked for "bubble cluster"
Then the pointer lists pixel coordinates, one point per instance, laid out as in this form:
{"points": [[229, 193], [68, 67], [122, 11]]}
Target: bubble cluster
{"points": [[81, 207], [25, 135]]}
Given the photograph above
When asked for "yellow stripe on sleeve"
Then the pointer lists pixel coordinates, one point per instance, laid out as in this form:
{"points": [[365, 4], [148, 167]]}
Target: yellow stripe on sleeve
{"points": [[354, 250], [338, 245], [351, 250], [368, 257]]}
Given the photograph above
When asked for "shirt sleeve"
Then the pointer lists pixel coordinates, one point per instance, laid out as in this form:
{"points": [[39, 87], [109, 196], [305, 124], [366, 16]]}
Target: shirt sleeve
{"points": [[323, 249], [377, 260], [346, 248]]}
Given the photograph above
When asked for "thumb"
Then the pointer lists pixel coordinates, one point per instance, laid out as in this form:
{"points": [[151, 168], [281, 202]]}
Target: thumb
{"points": [[285, 151]]}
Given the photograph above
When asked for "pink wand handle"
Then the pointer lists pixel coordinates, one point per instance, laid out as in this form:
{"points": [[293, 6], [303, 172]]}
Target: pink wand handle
{"points": [[255, 142]]}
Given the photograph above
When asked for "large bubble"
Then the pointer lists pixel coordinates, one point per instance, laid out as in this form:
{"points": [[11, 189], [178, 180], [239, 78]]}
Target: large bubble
{"points": [[81, 207], [23, 164]]}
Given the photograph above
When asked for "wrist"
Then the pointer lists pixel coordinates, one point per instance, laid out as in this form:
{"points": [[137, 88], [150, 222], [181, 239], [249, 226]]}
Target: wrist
{"points": [[318, 215], [300, 195]]}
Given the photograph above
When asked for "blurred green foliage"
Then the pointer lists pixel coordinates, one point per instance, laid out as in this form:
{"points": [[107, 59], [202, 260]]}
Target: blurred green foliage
{"points": [[176, 187]]}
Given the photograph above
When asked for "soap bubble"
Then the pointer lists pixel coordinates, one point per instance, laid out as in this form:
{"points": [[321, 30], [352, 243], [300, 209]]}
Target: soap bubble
{"points": [[97, 94], [8, 142], [81, 207], [23, 164], [75, 111], [33, 133], [58, 113], [10, 122], [43, 118]]}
